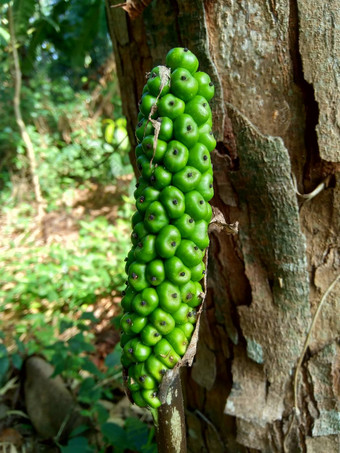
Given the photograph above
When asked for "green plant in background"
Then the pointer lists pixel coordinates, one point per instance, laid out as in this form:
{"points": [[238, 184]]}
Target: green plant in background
{"points": [[64, 53], [52, 282], [72, 359], [45, 294], [71, 107], [134, 436], [83, 156]]}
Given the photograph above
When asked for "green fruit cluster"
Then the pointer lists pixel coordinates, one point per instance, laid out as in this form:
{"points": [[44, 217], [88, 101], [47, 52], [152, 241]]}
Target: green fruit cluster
{"points": [[170, 227]]}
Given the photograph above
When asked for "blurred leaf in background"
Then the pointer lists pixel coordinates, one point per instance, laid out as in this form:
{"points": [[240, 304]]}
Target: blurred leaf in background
{"points": [[60, 281]]}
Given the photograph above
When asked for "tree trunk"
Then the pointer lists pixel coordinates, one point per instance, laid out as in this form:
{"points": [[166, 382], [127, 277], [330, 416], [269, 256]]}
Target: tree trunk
{"points": [[262, 379]]}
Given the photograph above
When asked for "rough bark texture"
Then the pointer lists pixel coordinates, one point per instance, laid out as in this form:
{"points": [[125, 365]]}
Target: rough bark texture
{"points": [[274, 65]]}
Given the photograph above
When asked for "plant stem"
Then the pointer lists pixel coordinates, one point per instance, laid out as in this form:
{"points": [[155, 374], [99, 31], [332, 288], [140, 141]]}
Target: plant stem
{"points": [[20, 122], [170, 421]]}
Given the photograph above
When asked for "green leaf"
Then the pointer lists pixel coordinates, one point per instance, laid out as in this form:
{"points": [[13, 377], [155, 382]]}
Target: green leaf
{"points": [[4, 367], [109, 130], [16, 361], [3, 350], [78, 430], [116, 321], [115, 435], [4, 36], [20, 345], [102, 413], [64, 325], [23, 10], [88, 315], [151, 448], [88, 393], [89, 366], [87, 30], [79, 344], [113, 359], [137, 432], [51, 22], [77, 445]]}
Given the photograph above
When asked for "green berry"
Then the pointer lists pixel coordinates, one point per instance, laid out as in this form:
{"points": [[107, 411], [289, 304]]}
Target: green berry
{"points": [[185, 225], [199, 157], [173, 201], [198, 108], [145, 250], [169, 296], [155, 273], [150, 335], [186, 130], [155, 367], [170, 227], [145, 302], [178, 341], [183, 84], [187, 179], [154, 83], [176, 156], [170, 106], [205, 86], [161, 178], [147, 102], [162, 321], [176, 271], [166, 354], [180, 57], [151, 153], [167, 241]]}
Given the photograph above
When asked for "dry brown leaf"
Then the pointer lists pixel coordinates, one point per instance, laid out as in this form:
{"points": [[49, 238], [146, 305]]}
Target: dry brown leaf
{"points": [[11, 436], [218, 223]]}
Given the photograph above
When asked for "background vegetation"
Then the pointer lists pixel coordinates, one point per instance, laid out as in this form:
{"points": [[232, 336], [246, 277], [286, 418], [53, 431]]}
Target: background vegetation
{"points": [[61, 275]]}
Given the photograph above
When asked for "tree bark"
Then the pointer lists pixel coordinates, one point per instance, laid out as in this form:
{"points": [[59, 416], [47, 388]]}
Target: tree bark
{"points": [[263, 380]]}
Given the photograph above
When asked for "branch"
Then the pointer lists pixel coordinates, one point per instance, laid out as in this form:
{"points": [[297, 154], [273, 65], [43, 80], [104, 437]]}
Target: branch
{"points": [[20, 122]]}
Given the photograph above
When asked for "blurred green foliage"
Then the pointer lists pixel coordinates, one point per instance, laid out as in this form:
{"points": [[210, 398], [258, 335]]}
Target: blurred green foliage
{"points": [[49, 290], [67, 91], [50, 282], [70, 145]]}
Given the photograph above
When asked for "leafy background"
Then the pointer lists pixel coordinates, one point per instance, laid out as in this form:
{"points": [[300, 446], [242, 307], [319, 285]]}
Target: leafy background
{"points": [[61, 279]]}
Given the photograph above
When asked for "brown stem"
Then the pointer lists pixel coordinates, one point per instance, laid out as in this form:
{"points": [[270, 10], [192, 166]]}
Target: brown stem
{"points": [[170, 426], [20, 122]]}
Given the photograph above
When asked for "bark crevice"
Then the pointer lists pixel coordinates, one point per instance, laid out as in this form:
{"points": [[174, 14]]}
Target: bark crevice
{"points": [[311, 107]]}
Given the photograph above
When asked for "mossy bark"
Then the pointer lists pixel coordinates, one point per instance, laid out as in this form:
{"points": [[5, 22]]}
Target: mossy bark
{"points": [[274, 115]]}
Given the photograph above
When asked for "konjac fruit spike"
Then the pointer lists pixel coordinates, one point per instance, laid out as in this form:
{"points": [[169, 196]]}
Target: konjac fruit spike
{"points": [[170, 226]]}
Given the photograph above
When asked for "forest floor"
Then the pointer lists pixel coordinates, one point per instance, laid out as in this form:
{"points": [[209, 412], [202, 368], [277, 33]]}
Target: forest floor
{"points": [[61, 227]]}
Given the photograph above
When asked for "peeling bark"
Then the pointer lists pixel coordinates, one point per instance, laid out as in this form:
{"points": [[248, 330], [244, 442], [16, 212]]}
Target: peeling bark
{"points": [[274, 256], [320, 49], [275, 113]]}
